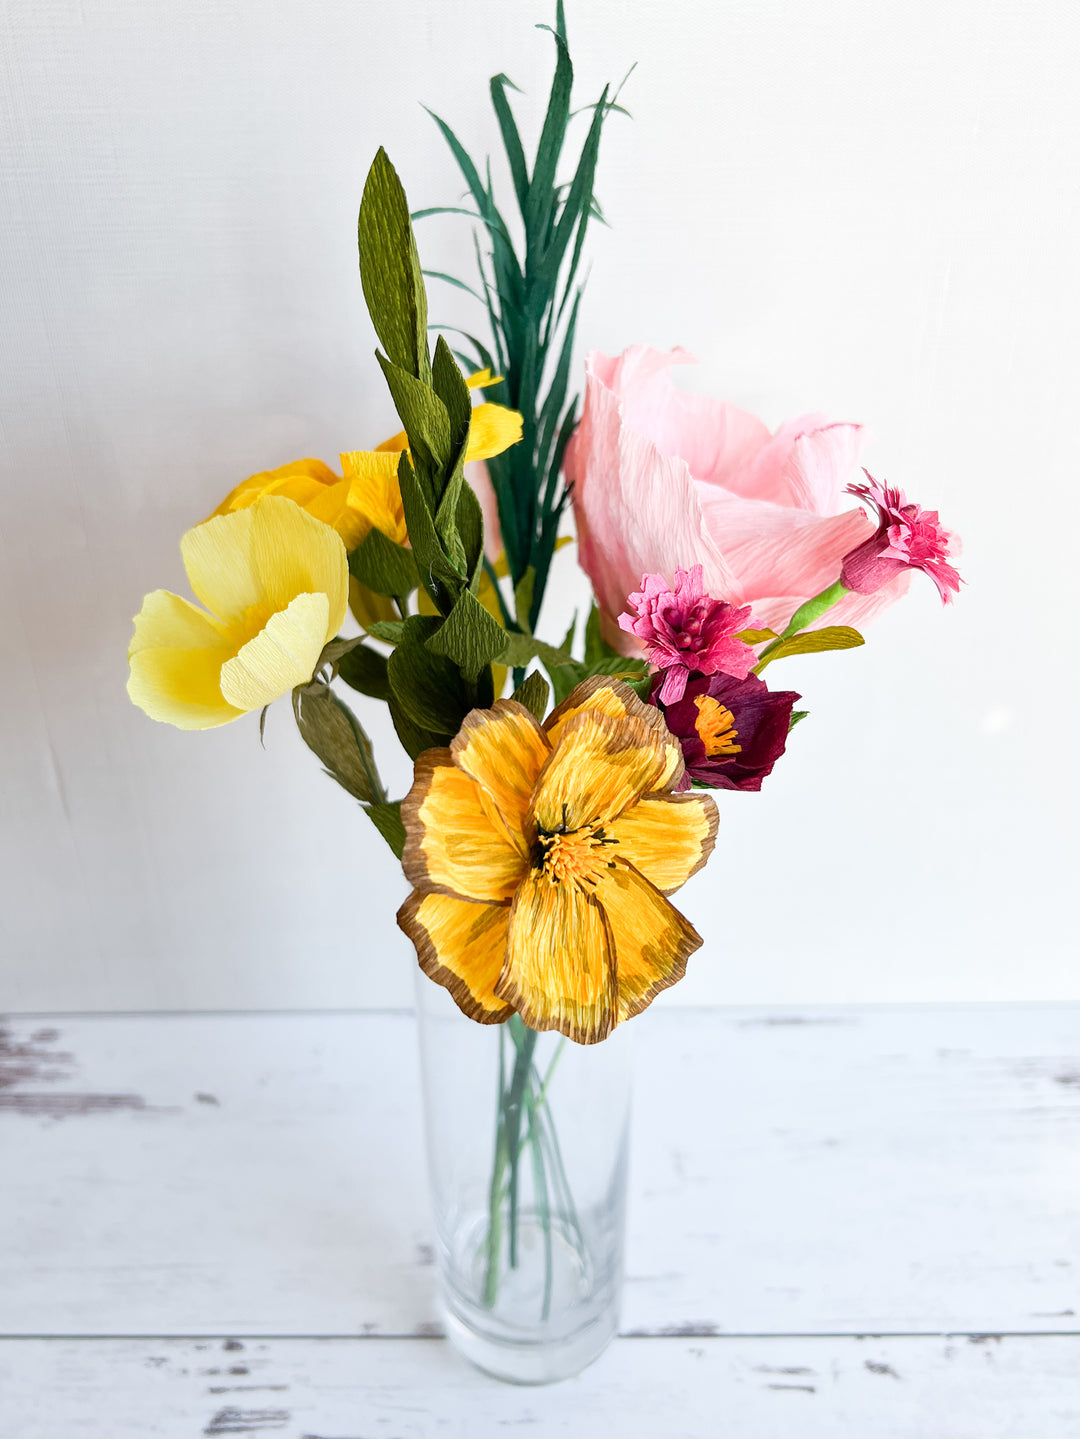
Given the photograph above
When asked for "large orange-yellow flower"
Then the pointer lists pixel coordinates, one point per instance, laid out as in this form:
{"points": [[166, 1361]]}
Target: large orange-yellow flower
{"points": [[542, 856], [366, 494], [275, 583]]}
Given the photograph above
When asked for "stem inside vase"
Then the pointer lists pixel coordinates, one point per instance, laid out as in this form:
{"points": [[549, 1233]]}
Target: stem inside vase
{"points": [[524, 1120]]}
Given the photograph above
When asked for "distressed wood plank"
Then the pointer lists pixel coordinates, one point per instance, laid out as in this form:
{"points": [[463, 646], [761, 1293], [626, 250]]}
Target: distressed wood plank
{"points": [[840, 1171], [816, 1388]]}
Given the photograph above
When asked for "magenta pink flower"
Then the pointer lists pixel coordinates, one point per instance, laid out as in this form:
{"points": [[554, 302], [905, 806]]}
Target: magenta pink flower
{"points": [[665, 477], [686, 632], [907, 538]]}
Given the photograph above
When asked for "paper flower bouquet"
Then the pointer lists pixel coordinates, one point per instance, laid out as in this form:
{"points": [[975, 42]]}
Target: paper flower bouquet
{"points": [[561, 791]]}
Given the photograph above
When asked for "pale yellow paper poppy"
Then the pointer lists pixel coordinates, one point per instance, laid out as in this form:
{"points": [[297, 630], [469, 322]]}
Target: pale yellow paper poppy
{"points": [[275, 584]]}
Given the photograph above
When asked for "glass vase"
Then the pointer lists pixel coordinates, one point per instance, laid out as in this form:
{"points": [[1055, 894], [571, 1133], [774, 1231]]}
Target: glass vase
{"points": [[527, 1153]]}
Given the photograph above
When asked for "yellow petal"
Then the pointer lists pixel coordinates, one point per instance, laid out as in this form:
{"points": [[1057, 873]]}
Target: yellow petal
{"points": [[503, 748], [613, 697], [217, 558], [176, 656], [462, 947], [456, 843], [374, 495], [481, 379], [652, 939], [294, 554], [167, 621], [667, 837], [600, 766], [560, 961], [494, 429], [282, 655], [299, 475]]}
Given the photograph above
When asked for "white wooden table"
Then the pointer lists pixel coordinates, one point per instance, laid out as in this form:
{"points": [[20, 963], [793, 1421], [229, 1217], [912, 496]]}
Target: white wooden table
{"points": [[859, 1222]]}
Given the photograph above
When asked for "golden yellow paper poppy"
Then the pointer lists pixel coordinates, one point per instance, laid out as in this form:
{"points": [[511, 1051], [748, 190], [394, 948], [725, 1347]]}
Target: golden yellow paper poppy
{"points": [[275, 582], [541, 858], [366, 494]]}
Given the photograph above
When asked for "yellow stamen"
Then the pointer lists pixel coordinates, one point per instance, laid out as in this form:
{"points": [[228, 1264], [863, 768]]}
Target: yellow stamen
{"points": [[575, 856], [716, 727]]}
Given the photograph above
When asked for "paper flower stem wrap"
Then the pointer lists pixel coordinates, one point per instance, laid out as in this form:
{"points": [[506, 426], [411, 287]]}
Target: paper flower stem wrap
{"points": [[542, 857]]}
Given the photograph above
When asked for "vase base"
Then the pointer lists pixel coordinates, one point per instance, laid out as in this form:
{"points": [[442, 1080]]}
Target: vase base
{"points": [[543, 1362]]}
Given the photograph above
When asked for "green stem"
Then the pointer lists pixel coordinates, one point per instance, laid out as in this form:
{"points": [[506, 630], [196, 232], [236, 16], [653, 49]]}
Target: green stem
{"points": [[525, 1042], [498, 1170], [805, 615], [542, 1204]]}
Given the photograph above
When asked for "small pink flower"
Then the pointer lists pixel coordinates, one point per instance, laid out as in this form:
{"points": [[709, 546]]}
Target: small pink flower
{"points": [[686, 632], [907, 538]]}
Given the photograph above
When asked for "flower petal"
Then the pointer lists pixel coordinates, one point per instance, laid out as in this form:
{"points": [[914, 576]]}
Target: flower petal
{"points": [[282, 655], [600, 767], [609, 696], [299, 480], [667, 838], [374, 493], [652, 939], [176, 656], [168, 622], [494, 429], [457, 843], [503, 749], [560, 963], [461, 946], [217, 558], [293, 554]]}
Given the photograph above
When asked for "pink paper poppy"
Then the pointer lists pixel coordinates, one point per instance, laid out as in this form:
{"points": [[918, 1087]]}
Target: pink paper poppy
{"points": [[664, 479]]}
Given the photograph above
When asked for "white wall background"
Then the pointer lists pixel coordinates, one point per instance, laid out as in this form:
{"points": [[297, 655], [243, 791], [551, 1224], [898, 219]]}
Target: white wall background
{"points": [[870, 210]]}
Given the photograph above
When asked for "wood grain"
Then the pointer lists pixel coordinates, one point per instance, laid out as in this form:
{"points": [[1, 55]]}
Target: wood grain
{"points": [[827, 1172]]}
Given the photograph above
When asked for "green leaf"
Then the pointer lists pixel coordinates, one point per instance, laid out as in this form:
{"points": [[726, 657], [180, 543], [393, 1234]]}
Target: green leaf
{"points": [[365, 670], [596, 647], [427, 687], [551, 138], [387, 820], [389, 631], [382, 565], [833, 637], [523, 597], [449, 384], [470, 528], [468, 637], [796, 716], [390, 270], [756, 637], [533, 693], [457, 284], [518, 650], [414, 738], [510, 137], [635, 673], [332, 732], [438, 576], [425, 420]]}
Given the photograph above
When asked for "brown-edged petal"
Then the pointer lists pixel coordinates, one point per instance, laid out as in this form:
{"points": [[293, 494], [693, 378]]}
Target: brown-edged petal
{"points": [[461, 946], [456, 843], [503, 749], [652, 939], [601, 765], [667, 837], [560, 962]]}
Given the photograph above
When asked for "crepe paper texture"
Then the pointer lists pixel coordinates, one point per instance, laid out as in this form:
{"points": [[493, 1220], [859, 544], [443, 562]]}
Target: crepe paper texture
{"points": [[541, 851], [665, 479], [274, 581], [907, 538], [732, 731], [685, 631], [541, 858]]}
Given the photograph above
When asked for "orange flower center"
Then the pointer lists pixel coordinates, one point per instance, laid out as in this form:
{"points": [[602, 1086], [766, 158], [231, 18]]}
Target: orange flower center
{"points": [[716, 727], [573, 856]]}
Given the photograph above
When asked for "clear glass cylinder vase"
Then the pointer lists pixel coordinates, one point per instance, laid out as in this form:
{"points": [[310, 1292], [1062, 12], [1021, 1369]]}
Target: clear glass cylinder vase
{"points": [[527, 1151]]}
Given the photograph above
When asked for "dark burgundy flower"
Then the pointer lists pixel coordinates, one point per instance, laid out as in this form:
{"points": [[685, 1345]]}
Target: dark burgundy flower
{"points": [[732, 731], [907, 538]]}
